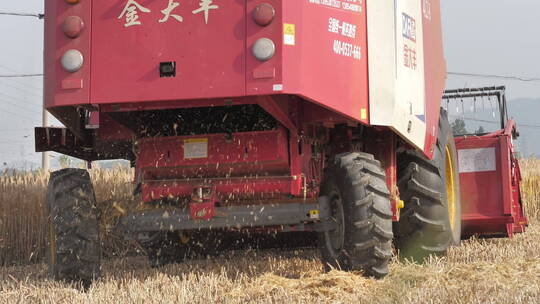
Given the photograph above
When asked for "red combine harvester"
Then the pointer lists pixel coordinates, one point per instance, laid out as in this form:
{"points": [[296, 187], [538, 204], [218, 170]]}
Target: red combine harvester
{"points": [[258, 116]]}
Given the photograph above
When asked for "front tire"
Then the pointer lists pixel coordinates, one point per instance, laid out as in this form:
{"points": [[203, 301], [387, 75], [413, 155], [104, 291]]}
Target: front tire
{"points": [[74, 248], [431, 221], [361, 217]]}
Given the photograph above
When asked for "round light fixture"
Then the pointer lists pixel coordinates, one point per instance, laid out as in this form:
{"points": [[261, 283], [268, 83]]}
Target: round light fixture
{"points": [[264, 14], [72, 61], [73, 26], [264, 49]]}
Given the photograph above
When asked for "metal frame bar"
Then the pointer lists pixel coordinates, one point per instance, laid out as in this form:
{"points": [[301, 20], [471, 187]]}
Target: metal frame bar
{"points": [[227, 217], [498, 92]]}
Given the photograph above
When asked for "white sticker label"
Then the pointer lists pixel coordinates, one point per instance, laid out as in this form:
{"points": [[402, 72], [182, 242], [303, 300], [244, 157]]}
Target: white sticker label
{"points": [[196, 148], [289, 34], [278, 87], [477, 160]]}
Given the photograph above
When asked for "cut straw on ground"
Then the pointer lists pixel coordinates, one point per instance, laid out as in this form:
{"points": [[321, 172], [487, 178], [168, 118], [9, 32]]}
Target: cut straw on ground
{"points": [[496, 270]]}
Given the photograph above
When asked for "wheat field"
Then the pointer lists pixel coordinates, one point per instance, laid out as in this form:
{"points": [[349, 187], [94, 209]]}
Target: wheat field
{"points": [[478, 271]]}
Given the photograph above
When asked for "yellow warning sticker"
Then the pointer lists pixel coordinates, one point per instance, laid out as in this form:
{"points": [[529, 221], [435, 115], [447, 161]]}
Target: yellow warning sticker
{"points": [[196, 140], [363, 114], [314, 214], [195, 148], [289, 34]]}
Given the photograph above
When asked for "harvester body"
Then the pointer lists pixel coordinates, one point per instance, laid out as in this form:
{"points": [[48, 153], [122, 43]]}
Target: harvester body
{"points": [[334, 63], [337, 55], [230, 110]]}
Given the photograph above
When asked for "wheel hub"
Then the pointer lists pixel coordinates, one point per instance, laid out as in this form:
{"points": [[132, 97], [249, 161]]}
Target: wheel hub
{"points": [[450, 189]]}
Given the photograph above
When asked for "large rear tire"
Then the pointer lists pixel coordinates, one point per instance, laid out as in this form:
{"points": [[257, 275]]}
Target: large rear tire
{"points": [[431, 221], [361, 217], [74, 248]]}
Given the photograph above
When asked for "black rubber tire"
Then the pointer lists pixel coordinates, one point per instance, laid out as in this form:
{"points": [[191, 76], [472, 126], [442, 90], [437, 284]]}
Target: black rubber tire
{"points": [[355, 186], [74, 248], [424, 226]]}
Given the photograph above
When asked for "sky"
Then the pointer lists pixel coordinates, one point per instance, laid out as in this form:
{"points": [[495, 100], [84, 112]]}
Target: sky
{"points": [[493, 37], [481, 36]]}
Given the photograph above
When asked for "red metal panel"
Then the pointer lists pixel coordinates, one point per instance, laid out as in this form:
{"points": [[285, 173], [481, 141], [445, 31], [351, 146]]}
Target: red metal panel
{"points": [[63, 88], [258, 153], [314, 69], [435, 70], [224, 189], [261, 77], [491, 202], [506, 172], [211, 58], [325, 62], [481, 192], [209, 55]]}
